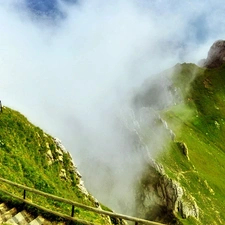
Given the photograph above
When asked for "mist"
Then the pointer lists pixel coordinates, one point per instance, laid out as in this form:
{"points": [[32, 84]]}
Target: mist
{"points": [[72, 73]]}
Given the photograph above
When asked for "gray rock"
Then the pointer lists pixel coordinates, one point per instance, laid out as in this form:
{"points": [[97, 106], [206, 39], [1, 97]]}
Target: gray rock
{"points": [[160, 198], [216, 55], [62, 174], [184, 149], [50, 157], [59, 144], [188, 209]]}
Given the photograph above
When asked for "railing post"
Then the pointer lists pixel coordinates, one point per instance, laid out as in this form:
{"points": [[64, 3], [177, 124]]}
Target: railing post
{"points": [[72, 213], [24, 194], [136, 223]]}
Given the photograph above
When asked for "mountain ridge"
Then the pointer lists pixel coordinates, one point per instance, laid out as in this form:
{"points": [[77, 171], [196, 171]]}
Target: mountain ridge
{"points": [[193, 160]]}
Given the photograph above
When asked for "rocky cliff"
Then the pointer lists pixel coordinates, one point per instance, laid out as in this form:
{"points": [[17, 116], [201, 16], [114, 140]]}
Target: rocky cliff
{"points": [[216, 55], [161, 198]]}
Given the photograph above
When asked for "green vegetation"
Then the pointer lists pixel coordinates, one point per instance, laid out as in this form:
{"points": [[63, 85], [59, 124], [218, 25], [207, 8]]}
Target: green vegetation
{"points": [[24, 159], [198, 120]]}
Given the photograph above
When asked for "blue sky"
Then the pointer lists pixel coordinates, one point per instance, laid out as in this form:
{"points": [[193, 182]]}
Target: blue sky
{"points": [[49, 8], [201, 12], [43, 6]]}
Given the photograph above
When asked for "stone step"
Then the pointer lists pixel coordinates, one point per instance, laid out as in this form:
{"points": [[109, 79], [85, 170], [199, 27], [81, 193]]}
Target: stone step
{"points": [[21, 218], [13, 217], [7, 215], [42, 221], [3, 208], [37, 221]]}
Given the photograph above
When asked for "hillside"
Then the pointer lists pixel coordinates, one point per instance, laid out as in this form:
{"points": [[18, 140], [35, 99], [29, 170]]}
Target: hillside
{"points": [[186, 183], [181, 116], [33, 158]]}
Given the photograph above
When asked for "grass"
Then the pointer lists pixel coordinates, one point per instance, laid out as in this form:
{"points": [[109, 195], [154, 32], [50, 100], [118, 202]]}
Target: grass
{"points": [[23, 150], [198, 121]]}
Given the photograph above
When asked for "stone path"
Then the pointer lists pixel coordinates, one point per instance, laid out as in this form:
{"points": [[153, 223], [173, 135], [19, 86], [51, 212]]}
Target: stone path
{"points": [[13, 216]]}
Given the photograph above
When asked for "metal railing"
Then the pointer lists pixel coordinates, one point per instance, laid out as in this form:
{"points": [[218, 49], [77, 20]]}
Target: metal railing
{"points": [[137, 221]]}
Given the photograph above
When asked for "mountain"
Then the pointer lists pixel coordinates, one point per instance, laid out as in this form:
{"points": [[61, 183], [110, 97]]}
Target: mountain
{"points": [[33, 158], [178, 127], [184, 183]]}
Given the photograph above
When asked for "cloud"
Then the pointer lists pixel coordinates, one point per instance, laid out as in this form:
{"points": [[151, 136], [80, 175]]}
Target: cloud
{"points": [[72, 75]]}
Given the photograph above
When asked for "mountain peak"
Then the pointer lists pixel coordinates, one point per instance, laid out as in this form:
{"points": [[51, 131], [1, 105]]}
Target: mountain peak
{"points": [[216, 55]]}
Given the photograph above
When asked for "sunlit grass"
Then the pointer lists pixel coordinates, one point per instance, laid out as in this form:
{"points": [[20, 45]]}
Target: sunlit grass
{"points": [[23, 149]]}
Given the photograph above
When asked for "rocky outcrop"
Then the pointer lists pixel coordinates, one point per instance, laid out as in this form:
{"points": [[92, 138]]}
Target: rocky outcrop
{"points": [[160, 198], [184, 149], [216, 55], [58, 154], [67, 167]]}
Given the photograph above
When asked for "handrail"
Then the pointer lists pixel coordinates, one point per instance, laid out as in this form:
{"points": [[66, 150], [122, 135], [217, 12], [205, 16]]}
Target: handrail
{"points": [[99, 211], [48, 210]]}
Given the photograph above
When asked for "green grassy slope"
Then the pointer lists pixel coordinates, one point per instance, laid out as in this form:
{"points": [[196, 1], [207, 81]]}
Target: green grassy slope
{"points": [[199, 122], [197, 119], [23, 159]]}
